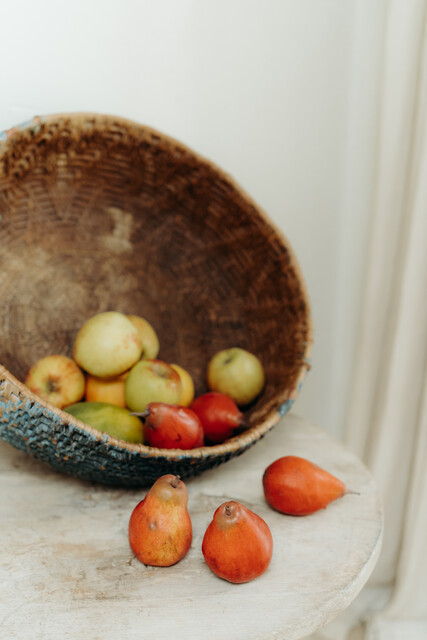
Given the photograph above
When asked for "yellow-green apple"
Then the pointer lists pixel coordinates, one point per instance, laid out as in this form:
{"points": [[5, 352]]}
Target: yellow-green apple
{"points": [[148, 337], [110, 390], [56, 379], [187, 386], [107, 345], [237, 373], [151, 381]]}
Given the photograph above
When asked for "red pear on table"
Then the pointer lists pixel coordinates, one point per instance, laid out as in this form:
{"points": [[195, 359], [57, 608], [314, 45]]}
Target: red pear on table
{"points": [[160, 530], [298, 487], [237, 545]]}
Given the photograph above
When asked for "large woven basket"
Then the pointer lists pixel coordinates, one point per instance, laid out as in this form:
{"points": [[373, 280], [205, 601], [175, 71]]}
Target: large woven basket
{"points": [[99, 213]]}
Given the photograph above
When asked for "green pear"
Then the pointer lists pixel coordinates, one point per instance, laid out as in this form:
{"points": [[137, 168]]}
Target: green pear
{"points": [[109, 418]]}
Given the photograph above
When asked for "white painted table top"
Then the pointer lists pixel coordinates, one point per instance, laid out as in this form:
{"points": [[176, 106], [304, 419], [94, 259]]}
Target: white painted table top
{"points": [[66, 569]]}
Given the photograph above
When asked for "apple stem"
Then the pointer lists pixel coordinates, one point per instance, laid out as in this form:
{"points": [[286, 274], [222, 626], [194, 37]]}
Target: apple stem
{"points": [[228, 511], [52, 384]]}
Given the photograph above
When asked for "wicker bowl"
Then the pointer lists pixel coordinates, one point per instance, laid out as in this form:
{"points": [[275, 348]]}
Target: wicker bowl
{"points": [[99, 213]]}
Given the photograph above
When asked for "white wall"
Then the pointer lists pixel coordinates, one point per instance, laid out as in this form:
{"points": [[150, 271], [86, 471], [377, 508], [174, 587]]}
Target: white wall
{"points": [[281, 94]]}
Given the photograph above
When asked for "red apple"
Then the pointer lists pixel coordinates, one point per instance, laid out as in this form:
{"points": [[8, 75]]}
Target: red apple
{"points": [[219, 415], [151, 381], [57, 379]]}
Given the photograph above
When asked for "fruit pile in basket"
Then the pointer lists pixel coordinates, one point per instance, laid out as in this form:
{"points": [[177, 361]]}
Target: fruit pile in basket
{"points": [[116, 384]]}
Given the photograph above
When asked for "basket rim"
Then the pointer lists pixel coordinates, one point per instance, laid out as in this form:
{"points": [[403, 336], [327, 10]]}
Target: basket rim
{"points": [[232, 445]]}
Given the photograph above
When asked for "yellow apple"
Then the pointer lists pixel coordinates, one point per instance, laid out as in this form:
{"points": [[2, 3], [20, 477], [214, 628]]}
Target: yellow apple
{"points": [[111, 390], [56, 379], [151, 381], [107, 345], [187, 386], [148, 337]]}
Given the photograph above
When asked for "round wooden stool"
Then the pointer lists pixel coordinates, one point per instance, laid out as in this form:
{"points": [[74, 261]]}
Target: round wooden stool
{"points": [[66, 569]]}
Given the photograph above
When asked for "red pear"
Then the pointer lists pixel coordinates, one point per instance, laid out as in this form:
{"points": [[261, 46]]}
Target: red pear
{"points": [[298, 487], [171, 426], [160, 530], [237, 545]]}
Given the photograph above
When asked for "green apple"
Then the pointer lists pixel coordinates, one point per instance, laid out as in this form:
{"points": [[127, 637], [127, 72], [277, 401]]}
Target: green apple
{"points": [[148, 337], [56, 379], [151, 381], [237, 373], [107, 345], [109, 418]]}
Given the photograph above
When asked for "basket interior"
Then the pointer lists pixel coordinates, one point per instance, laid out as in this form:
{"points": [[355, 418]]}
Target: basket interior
{"points": [[98, 214]]}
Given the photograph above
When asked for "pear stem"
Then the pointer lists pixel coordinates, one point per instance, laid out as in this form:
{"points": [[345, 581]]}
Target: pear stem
{"points": [[352, 493], [243, 424], [143, 414], [175, 482]]}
